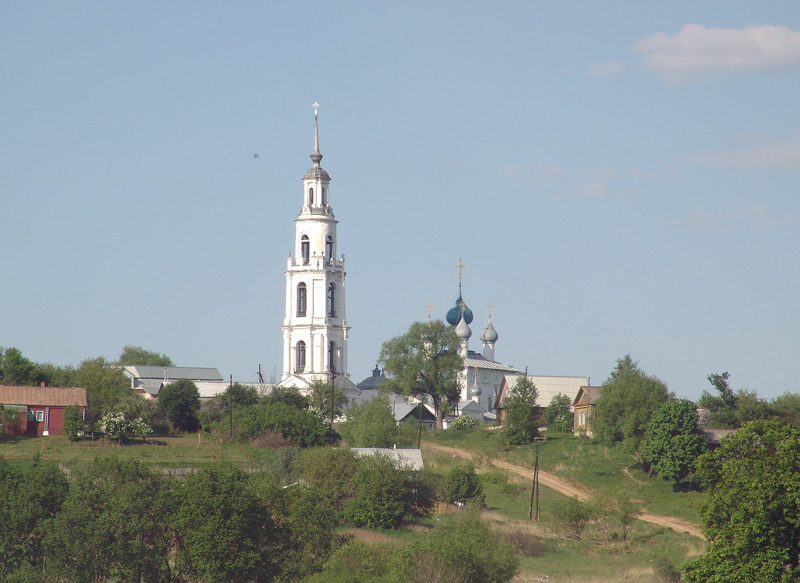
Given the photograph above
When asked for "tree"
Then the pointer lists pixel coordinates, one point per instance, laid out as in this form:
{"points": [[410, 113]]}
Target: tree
{"points": [[105, 386], [29, 500], [180, 402], [461, 548], [461, 485], [521, 412], [73, 425], [787, 406], [628, 399], [557, 414], [722, 406], [424, 361], [380, 493], [672, 441], [331, 470], [18, 370], [751, 515], [115, 522], [132, 355], [319, 399], [227, 530], [371, 424], [10, 420]]}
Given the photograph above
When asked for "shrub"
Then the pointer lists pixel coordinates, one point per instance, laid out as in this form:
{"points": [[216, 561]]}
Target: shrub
{"points": [[529, 544], [572, 515], [464, 423], [73, 426], [116, 427], [380, 498], [462, 485]]}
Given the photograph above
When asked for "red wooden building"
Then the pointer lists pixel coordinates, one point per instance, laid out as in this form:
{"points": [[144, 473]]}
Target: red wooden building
{"points": [[42, 408]]}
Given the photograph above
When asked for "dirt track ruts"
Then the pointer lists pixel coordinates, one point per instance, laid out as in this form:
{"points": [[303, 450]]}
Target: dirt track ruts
{"points": [[560, 485]]}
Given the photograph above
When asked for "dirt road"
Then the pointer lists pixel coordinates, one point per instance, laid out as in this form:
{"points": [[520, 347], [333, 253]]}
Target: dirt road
{"points": [[560, 485]]}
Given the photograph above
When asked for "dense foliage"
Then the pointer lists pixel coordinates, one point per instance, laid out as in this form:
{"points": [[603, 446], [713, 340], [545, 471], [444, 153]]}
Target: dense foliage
{"points": [[751, 515], [424, 362], [120, 521], [462, 485], [672, 441], [180, 403], [628, 399], [133, 355], [521, 412], [557, 414]]}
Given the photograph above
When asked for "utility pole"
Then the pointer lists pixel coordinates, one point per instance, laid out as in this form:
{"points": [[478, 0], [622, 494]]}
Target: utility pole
{"points": [[535, 487], [333, 393], [230, 406]]}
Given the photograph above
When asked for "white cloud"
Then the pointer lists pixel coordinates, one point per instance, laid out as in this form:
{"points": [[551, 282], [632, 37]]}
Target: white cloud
{"points": [[607, 69], [587, 190], [696, 50], [752, 216], [776, 153], [600, 173], [512, 170], [553, 171]]}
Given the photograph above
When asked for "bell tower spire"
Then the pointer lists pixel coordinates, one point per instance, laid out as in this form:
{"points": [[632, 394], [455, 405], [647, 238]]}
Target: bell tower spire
{"points": [[315, 329]]}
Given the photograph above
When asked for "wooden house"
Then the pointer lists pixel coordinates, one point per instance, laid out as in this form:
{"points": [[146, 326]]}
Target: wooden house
{"points": [[583, 409], [42, 408]]}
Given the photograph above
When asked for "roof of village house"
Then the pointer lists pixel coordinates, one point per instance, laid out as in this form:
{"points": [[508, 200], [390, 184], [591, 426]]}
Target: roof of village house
{"points": [[402, 457], [547, 387], [592, 394], [161, 373], [42, 396]]}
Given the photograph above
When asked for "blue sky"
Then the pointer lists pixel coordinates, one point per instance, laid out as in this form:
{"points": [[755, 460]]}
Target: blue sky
{"points": [[618, 177]]}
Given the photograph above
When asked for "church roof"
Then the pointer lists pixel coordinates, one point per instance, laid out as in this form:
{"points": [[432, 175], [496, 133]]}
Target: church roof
{"points": [[476, 359], [454, 313], [316, 172], [192, 373], [489, 334], [373, 381]]}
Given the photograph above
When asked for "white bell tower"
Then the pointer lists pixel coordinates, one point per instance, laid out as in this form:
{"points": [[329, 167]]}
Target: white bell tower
{"points": [[315, 328]]}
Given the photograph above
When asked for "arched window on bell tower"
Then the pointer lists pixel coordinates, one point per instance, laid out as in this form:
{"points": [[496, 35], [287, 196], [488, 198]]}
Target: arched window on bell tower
{"points": [[305, 249], [301, 356], [331, 301], [302, 300], [310, 196], [324, 198], [329, 247]]}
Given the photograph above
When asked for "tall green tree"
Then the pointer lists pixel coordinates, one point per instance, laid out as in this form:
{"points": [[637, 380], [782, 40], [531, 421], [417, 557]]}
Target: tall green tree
{"points": [[371, 424], [228, 530], [30, 498], [18, 370], [180, 402], [116, 523], [673, 442], [751, 515], [521, 412], [557, 414], [626, 403], [424, 362], [105, 386], [380, 493], [132, 355], [319, 398]]}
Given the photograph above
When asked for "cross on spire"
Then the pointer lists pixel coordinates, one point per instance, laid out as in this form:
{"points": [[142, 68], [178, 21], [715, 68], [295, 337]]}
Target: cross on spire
{"points": [[460, 266], [430, 307], [489, 307], [315, 106]]}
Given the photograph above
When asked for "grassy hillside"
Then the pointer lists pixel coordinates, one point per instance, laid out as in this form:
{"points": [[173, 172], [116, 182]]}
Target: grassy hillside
{"points": [[598, 556]]}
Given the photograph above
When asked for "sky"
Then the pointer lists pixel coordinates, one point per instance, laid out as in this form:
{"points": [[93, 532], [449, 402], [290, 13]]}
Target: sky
{"points": [[617, 177]]}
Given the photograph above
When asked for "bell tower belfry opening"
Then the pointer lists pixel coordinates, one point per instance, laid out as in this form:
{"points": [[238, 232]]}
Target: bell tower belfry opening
{"points": [[315, 326]]}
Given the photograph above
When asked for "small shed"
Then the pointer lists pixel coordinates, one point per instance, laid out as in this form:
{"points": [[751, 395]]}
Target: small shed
{"points": [[583, 407], [42, 408]]}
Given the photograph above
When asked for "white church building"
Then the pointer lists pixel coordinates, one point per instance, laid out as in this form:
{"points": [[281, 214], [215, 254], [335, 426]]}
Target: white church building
{"points": [[315, 325]]}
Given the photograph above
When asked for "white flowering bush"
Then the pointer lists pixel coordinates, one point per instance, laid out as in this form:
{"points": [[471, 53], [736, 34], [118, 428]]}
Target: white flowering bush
{"points": [[116, 427], [464, 423]]}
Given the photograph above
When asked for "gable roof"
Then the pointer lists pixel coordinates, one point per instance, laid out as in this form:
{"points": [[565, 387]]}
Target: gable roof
{"points": [[546, 386], [141, 372], [591, 395], [476, 359], [42, 396]]}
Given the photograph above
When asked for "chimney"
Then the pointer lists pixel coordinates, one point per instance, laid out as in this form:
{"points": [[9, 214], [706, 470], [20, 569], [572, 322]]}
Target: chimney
{"points": [[44, 383]]}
